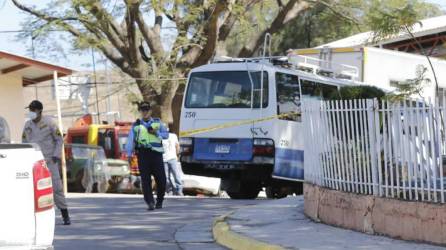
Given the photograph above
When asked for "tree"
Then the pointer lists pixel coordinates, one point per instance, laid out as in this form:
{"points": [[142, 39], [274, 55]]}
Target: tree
{"points": [[397, 19], [326, 23], [135, 45]]}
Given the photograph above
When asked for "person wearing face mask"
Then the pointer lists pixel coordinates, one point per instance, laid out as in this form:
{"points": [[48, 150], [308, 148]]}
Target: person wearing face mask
{"points": [[43, 131], [145, 139]]}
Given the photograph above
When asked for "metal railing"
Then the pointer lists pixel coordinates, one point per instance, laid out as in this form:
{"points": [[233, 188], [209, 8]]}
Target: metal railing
{"points": [[386, 149]]}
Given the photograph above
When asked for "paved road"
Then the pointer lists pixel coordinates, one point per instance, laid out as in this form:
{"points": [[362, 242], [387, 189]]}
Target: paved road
{"points": [[122, 222]]}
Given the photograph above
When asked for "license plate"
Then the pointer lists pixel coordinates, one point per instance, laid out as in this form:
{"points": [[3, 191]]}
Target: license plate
{"points": [[222, 149]]}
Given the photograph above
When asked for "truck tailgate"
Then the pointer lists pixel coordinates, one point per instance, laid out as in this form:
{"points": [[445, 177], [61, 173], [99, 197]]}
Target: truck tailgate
{"points": [[17, 219]]}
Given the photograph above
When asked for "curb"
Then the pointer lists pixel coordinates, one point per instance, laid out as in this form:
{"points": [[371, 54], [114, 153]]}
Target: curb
{"points": [[224, 236]]}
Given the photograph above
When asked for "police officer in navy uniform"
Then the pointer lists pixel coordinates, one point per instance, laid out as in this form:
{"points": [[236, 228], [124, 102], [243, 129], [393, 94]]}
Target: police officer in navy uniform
{"points": [[145, 139]]}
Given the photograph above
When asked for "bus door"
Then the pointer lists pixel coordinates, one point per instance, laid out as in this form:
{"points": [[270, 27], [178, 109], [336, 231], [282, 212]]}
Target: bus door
{"points": [[288, 128]]}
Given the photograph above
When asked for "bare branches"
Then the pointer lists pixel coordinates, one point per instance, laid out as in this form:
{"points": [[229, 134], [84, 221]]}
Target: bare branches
{"points": [[286, 13]]}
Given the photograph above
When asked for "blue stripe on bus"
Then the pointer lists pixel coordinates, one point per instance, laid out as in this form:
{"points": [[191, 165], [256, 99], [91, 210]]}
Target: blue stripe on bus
{"points": [[289, 163]]}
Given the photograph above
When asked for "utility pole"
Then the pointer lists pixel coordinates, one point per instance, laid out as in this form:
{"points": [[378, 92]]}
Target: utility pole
{"points": [[59, 120], [34, 57], [96, 86], [109, 107]]}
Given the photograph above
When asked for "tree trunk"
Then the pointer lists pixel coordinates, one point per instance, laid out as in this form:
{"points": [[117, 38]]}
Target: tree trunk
{"points": [[160, 101]]}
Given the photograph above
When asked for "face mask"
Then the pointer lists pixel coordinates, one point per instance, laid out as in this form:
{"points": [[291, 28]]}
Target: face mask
{"points": [[32, 115]]}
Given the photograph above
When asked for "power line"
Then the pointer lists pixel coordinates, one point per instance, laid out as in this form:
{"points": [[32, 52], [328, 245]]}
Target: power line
{"points": [[59, 30], [128, 82], [116, 91]]}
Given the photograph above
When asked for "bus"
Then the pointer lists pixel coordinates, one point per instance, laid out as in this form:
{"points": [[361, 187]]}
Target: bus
{"points": [[241, 121]]}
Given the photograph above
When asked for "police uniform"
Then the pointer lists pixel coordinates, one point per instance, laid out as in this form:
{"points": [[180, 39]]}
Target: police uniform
{"points": [[145, 139], [46, 134]]}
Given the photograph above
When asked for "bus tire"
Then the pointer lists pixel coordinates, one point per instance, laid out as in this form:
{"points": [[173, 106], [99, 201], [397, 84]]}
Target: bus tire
{"points": [[275, 192], [247, 191], [299, 190]]}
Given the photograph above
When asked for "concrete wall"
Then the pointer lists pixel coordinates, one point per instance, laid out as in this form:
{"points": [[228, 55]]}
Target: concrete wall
{"points": [[417, 221], [12, 105]]}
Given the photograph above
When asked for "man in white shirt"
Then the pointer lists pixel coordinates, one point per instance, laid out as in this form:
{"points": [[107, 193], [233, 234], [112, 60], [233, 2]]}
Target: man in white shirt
{"points": [[171, 151]]}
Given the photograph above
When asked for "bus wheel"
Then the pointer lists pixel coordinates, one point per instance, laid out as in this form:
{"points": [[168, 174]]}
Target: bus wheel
{"points": [[275, 192], [247, 191], [299, 190]]}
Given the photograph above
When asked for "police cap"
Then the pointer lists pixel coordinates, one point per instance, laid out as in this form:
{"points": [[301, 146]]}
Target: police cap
{"points": [[35, 105], [144, 106]]}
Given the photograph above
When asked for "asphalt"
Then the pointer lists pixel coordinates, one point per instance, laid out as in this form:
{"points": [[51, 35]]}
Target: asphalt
{"points": [[113, 221], [283, 223]]}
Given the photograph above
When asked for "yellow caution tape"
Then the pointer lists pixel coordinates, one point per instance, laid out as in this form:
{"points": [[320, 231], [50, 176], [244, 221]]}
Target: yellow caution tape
{"points": [[232, 124]]}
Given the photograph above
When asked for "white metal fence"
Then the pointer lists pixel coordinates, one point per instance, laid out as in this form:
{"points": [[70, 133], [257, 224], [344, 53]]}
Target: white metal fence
{"points": [[376, 148]]}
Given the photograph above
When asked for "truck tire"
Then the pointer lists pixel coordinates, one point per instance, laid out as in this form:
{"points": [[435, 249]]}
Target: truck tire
{"points": [[77, 185], [101, 187], [247, 190]]}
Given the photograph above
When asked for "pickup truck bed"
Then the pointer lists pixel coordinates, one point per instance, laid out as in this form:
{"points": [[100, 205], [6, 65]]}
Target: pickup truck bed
{"points": [[26, 204]]}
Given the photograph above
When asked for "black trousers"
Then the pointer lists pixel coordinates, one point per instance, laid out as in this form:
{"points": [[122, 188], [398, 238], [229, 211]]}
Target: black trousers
{"points": [[151, 163]]}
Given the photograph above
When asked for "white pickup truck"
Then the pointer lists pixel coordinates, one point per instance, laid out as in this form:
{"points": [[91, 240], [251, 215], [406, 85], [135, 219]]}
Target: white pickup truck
{"points": [[27, 216]]}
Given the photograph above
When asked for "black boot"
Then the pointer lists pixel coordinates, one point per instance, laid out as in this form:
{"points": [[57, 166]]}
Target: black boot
{"points": [[65, 217], [151, 206], [159, 204]]}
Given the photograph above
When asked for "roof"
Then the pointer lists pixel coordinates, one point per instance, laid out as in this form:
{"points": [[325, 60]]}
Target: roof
{"points": [[32, 71], [428, 26]]}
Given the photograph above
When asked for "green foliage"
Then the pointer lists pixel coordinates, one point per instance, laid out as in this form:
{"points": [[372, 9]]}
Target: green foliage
{"points": [[358, 92], [322, 24], [319, 25], [394, 16], [411, 87], [249, 24]]}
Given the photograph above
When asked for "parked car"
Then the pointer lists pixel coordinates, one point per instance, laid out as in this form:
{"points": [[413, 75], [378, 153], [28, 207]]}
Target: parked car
{"points": [[27, 216]]}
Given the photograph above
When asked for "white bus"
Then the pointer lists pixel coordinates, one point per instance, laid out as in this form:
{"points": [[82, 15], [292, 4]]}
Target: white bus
{"points": [[241, 122]]}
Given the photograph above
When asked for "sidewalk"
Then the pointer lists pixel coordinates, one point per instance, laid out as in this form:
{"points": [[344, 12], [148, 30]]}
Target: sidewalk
{"points": [[282, 222]]}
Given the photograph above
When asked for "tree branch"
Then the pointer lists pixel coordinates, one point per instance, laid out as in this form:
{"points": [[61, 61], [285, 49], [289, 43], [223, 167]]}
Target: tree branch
{"points": [[98, 30], [197, 56], [108, 50], [287, 13], [336, 12], [152, 38], [105, 21], [232, 17]]}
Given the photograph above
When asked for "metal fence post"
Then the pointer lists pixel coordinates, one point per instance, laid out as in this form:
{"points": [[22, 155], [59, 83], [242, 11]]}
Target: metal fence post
{"points": [[373, 144]]}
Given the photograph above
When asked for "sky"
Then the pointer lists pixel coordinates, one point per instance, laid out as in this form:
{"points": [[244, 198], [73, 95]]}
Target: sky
{"points": [[11, 18]]}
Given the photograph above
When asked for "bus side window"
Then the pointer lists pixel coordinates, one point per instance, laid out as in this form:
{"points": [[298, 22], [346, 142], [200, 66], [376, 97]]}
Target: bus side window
{"points": [[311, 89], [288, 97], [318, 91], [329, 91]]}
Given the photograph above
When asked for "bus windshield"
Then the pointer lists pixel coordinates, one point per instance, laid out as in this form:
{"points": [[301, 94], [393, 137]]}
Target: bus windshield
{"points": [[226, 89]]}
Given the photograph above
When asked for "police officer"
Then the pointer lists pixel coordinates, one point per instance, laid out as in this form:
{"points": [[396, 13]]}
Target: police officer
{"points": [[145, 139], [43, 131]]}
